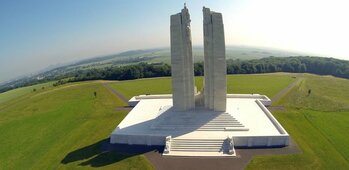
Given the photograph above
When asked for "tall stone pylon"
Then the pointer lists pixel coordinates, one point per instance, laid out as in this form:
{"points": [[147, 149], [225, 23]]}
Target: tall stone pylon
{"points": [[182, 62], [215, 83]]}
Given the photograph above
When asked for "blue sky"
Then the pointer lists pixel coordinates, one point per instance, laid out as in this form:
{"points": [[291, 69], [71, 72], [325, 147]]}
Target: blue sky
{"points": [[37, 33]]}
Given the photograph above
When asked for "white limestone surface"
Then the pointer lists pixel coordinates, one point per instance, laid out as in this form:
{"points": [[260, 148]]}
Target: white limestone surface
{"points": [[215, 83], [182, 68], [152, 119]]}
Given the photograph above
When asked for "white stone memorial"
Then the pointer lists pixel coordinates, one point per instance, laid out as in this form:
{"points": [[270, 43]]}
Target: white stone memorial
{"points": [[215, 67], [182, 62], [213, 128]]}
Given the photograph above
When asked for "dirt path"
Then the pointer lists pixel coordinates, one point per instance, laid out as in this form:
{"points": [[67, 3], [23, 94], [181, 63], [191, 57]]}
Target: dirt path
{"points": [[116, 93], [125, 108], [276, 108], [285, 90]]}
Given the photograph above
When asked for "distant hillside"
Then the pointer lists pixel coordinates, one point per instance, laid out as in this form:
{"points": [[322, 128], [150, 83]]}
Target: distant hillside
{"points": [[158, 55], [298, 64], [151, 56]]}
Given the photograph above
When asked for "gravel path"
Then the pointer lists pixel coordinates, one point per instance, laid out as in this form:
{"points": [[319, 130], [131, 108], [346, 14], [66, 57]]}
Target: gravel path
{"points": [[285, 90], [116, 93]]}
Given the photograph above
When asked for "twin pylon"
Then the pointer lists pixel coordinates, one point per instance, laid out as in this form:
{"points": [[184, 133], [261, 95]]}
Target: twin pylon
{"points": [[183, 84]]}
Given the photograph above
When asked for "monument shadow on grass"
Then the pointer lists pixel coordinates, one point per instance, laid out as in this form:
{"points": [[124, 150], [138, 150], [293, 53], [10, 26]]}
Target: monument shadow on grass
{"points": [[103, 153]]}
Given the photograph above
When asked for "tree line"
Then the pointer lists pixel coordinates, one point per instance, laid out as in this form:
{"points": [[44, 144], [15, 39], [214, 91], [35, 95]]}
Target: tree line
{"points": [[294, 64], [300, 64]]}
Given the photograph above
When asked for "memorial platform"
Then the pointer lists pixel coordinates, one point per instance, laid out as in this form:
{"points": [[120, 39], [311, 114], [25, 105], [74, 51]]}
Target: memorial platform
{"points": [[201, 132]]}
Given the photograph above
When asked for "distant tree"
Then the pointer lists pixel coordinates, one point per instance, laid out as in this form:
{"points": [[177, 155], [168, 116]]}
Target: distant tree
{"points": [[309, 91], [199, 69], [34, 90], [303, 68], [95, 94]]}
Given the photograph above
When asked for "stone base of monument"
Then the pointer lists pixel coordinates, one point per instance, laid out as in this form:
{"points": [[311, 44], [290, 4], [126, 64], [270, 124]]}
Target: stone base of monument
{"points": [[200, 132]]}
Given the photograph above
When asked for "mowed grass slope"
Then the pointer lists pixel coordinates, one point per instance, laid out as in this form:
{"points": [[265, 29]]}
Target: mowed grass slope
{"points": [[63, 128], [12, 94], [318, 122]]}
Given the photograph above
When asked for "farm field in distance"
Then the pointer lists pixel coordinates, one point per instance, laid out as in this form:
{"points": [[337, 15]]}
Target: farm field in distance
{"points": [[66, 127]]}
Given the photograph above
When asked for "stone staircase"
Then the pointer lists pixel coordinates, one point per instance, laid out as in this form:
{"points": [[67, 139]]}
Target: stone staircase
{"points": [[199, 147], [200, 122], [223, 122]]}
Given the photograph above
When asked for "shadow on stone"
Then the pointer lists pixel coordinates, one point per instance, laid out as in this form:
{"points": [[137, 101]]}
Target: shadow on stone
{"points": [[103, 153]]}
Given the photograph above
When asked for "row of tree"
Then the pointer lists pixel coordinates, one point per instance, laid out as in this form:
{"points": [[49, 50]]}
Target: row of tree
{"points": [[298, 64]]}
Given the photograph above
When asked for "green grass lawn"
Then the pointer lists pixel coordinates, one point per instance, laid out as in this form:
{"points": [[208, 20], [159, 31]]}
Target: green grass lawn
{"points": [[327, 94], [42, 130], [12, 94], [65, 127], [318, 123], [268, 84]]}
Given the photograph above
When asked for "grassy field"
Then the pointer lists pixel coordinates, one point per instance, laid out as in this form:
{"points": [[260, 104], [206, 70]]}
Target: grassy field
{"points": [[66, 127], [63, 128], [318, 123], [268, 84], [9, 95]]}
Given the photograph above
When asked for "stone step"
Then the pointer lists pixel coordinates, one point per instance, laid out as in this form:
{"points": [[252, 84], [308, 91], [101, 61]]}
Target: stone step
{"points": [[208, 123], [212, 146], [227, 115], [198, 147], [222, 129], [197, 150], [200, 154], [223, 122], [200, 140], [197, 142], [224, 118], [222, 126], [218, 124]]}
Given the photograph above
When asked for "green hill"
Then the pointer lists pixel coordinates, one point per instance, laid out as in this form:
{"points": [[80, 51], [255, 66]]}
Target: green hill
{"points": [[66, 127], [38, 132]]}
